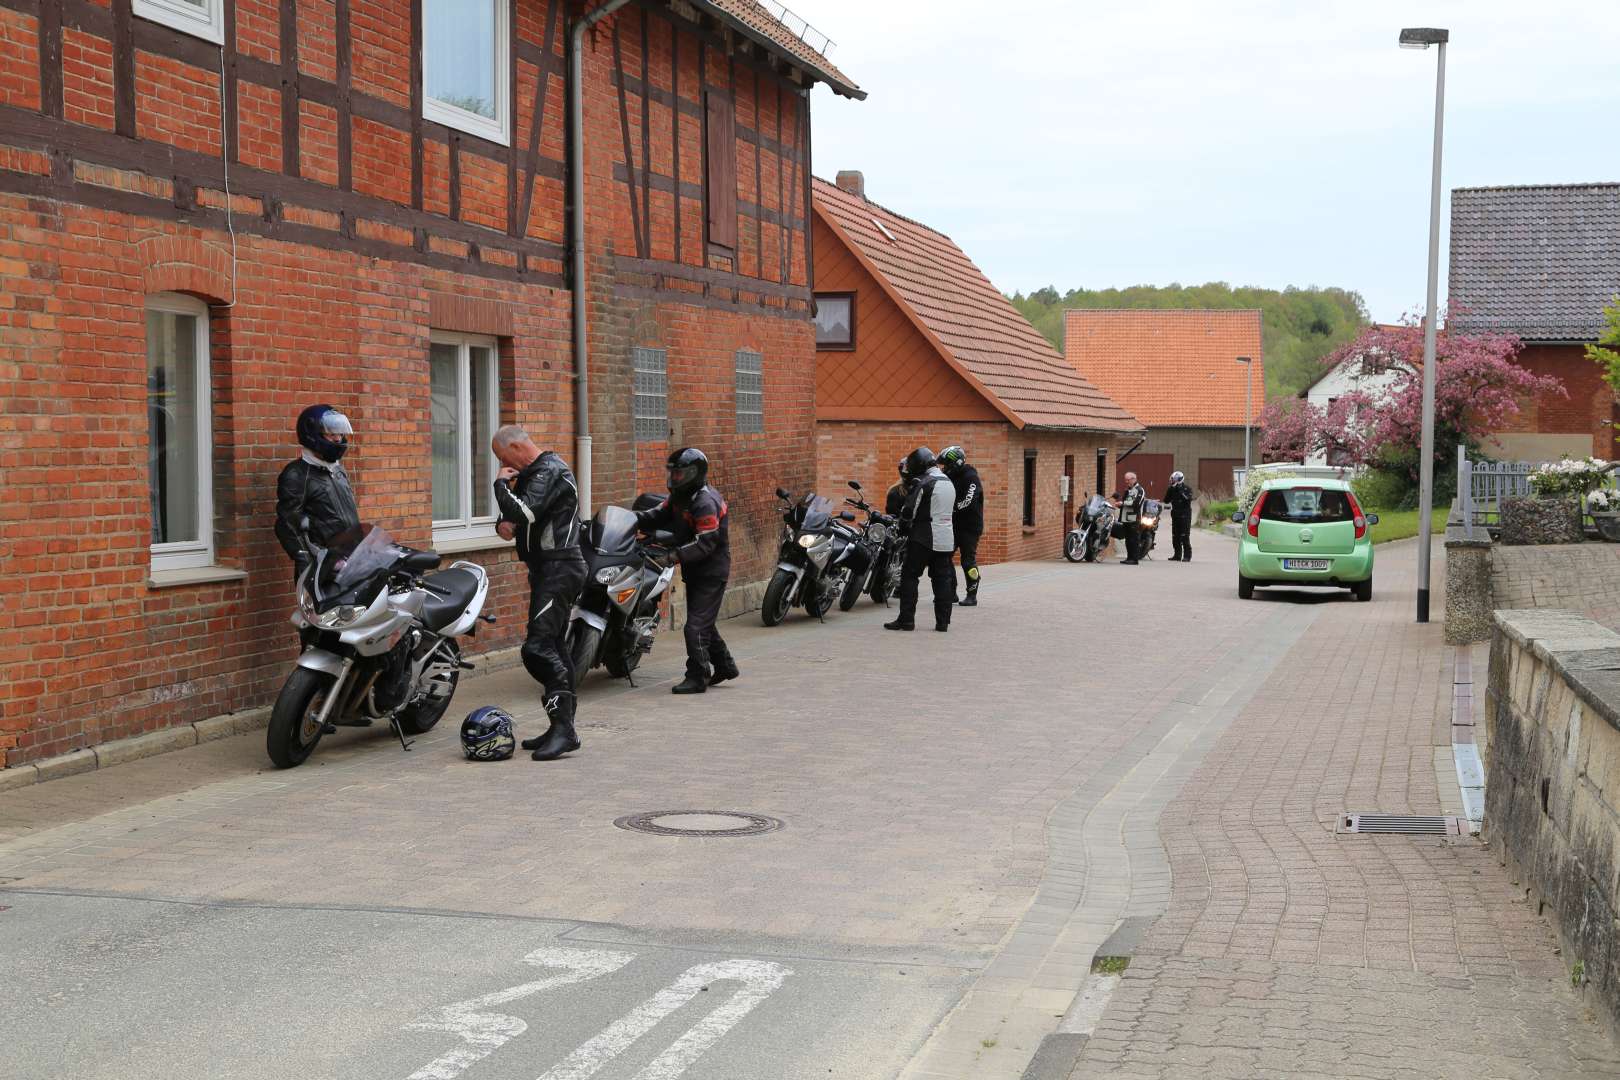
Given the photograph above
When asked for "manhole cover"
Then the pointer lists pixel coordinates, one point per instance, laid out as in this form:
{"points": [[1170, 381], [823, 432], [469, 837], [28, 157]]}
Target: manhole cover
{"points": [[699, 823]]}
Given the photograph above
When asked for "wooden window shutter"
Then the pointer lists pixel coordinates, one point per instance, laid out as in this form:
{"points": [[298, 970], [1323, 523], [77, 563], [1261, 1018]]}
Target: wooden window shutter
{"points": [[721, 181]]}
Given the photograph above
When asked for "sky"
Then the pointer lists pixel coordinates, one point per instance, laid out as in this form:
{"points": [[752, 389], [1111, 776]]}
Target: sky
{"points": [[1257, 142]]}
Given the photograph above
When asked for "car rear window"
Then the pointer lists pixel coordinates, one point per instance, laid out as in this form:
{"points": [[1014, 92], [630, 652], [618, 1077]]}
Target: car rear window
{"points": [[1306, 506]]}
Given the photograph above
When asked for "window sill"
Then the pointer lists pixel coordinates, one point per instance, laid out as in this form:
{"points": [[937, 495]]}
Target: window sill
{"points": [[457, 544], [1031, 530], [193, 575]]}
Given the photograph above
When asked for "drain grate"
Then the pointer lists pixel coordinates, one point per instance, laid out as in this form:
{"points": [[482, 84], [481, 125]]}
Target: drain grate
{"points": [[699, 823], [1401, 824]]}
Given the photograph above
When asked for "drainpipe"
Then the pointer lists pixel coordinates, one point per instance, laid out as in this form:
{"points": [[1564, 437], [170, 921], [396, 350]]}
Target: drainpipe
{"points": [[576, 192]]}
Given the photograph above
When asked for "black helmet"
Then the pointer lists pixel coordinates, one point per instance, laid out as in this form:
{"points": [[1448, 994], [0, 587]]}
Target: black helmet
{"points": [[486, 735], [324, 432], [918, 462], [688, 470], [952, 458]]}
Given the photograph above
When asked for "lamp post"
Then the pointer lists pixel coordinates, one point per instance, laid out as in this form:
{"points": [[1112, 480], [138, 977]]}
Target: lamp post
{"points": [[1248, 406], [1422, 38]]}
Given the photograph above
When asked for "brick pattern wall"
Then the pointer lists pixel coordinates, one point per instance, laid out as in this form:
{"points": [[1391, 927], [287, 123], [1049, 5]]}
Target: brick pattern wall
{"points": [[1587, 408], [329, 293]]}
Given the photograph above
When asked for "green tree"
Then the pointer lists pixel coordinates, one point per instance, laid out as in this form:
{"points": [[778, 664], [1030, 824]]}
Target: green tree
{"points": [[1299, 326], [1606, 357]]}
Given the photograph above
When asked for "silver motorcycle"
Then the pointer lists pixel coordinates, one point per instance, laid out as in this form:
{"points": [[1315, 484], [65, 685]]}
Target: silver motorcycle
{"points": [[381, 636]]}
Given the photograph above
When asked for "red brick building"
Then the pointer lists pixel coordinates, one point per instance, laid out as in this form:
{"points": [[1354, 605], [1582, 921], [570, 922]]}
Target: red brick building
{"points": [[1178, 372], [917, 347], [1542, 262], [214, 212]]}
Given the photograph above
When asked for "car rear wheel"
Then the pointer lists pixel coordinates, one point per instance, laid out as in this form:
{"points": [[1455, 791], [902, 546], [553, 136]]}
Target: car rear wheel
{"points": [[1245, 588], [1362, 590]]}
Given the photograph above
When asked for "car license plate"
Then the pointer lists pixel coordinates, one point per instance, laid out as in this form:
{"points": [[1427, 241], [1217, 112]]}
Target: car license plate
{"points": [[1306, 564]]}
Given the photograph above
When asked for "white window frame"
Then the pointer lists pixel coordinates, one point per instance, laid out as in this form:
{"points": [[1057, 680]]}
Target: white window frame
{"points": [[498, 130], [469, 526], [208, 24], [190, 554]]}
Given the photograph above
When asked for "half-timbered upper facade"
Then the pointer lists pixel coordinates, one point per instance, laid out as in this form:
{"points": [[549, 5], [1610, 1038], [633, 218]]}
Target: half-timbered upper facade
{"points": [[215, 212]]}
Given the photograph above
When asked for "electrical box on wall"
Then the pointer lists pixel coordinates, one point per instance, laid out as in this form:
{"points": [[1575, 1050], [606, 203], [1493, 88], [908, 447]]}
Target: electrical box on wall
{"points": [[1063, 488]]}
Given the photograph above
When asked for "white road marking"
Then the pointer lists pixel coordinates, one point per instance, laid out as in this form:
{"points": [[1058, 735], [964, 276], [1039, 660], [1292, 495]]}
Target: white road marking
{"points": [[759, 979], [485, 1032]]}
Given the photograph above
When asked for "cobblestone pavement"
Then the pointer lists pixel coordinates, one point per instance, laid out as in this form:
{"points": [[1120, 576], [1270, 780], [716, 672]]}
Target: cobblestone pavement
{"points": [[1290, 950], [1092, 744]]}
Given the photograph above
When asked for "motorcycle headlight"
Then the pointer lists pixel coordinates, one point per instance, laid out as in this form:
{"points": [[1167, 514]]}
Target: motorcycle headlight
{"points": [[809, 540], [607, 574], [339, 617]]}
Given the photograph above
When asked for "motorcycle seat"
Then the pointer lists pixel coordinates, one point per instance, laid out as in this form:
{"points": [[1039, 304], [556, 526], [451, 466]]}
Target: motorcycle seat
{"points": [[422, 560], [449, 593]]}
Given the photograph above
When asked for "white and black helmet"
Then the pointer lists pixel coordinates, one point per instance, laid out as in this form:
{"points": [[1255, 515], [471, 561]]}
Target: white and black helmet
{"points": [[1178, 477]]}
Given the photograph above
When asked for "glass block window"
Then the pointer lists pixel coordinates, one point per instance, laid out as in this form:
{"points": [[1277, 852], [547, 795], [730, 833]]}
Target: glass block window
{"points": [[651, 406], [750, 392]]}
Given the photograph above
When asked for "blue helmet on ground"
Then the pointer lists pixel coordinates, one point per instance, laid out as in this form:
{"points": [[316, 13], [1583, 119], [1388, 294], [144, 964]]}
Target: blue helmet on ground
{"points": [[486, 735]]}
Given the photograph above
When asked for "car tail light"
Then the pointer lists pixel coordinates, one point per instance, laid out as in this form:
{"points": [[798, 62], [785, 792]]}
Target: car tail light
{"points": [[1361, 519], [1254, 514]]}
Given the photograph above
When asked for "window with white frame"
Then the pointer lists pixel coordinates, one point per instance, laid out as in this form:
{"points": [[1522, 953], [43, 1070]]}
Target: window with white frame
{"points": [[179, 447], [200, 18], [465, 377], [750, 392], [465, 56]]}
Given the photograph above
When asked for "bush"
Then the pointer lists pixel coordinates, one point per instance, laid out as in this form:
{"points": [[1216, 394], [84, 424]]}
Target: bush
{"points": [[1571, 476], [1220, 512], [1385, 489], [1252, 482]]}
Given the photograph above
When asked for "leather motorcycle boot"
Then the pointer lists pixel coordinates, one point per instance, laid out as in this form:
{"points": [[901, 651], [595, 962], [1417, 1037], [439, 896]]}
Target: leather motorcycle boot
{"points": [[560, 739], [971, 599], [697, 676], [898, 625], [725, 665]]}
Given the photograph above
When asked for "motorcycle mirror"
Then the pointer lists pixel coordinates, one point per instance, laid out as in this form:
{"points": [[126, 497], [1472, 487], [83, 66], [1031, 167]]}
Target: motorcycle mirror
{"points": [[846, 516], [781, 493], [855, 484]]}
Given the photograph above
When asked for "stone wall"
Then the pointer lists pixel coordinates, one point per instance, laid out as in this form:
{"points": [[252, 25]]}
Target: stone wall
{"points": [[1553, 782], [1482, 577]]}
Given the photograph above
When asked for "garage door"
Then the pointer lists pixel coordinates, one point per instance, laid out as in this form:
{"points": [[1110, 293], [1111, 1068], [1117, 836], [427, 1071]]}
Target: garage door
{"points": [[1152, 471], [1215, 475]]}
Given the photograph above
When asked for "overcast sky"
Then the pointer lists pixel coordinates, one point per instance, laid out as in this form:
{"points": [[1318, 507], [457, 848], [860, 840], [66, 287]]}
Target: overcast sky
{"points": [[1259, 142]]}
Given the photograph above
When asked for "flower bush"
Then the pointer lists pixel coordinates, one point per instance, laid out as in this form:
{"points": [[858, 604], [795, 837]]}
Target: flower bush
{"points": [[1252, 482], [1571, 476], [1603, 501]]}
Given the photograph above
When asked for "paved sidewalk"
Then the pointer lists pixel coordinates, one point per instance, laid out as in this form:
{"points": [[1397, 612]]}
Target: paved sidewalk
{"points": [[1290, 950]]}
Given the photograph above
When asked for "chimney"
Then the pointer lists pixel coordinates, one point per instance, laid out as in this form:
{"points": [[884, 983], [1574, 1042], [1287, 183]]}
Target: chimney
{"points": [[852, 181]]}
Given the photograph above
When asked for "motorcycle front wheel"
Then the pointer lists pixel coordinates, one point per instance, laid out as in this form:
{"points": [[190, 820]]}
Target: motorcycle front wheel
{"points": [[582, 649], [1074, 547], [852, 591], [882, 585], [294, 728], [778, 598]]}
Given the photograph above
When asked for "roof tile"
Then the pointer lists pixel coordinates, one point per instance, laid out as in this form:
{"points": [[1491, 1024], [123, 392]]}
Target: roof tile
{"points": [[1171, 368], [984, 333]]}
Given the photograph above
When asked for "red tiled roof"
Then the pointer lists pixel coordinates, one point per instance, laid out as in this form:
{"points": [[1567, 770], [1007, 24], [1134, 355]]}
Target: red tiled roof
{"points": [[756, 21], [967, 318], [1170, 368]]}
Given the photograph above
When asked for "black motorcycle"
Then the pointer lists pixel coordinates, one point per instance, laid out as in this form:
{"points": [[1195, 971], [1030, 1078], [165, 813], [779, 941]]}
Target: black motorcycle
{"points": [[880, 536], [616, 617], [1152, 510], [1093, 525], [819, 554]]}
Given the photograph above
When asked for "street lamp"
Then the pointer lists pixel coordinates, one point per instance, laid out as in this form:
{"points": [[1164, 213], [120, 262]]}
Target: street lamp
{"points": [[1248, 406], [1422, 38]]}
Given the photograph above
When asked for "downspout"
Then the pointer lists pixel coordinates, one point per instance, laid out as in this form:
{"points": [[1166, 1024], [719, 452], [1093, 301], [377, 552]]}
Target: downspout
{"points": [[576, 192]]}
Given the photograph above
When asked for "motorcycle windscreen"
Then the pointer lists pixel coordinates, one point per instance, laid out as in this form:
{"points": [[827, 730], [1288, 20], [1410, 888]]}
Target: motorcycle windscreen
{"points": [[1096, 505], [375, 552], [814, 513], [615, 530]]}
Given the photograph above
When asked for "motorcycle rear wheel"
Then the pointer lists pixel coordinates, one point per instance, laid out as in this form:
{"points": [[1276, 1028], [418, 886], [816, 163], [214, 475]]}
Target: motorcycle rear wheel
{"points": [[294, 730], [1074, 547], [418, 719], [778, 598]]}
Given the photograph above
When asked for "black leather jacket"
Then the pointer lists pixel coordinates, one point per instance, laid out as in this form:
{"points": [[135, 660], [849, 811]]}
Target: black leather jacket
{"points": [[321, 494], [968, 514], [702, 528], [1180, 498], [542, 500]]}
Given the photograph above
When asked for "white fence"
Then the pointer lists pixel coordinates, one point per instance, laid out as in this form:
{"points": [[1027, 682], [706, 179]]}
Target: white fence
{"points": [[1482, 485]]}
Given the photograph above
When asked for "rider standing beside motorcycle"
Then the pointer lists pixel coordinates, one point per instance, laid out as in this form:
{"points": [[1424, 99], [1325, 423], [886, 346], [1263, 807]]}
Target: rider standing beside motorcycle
{"points": [[538, 504], [894, 504], [967, 516], [696, 514], [929, 542], [1130, 518], [314, 486], [1180, 497]]}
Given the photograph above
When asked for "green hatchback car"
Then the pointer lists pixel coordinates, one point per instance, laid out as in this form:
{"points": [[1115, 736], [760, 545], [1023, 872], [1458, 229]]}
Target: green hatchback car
{"points": [[1306, 532]]}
